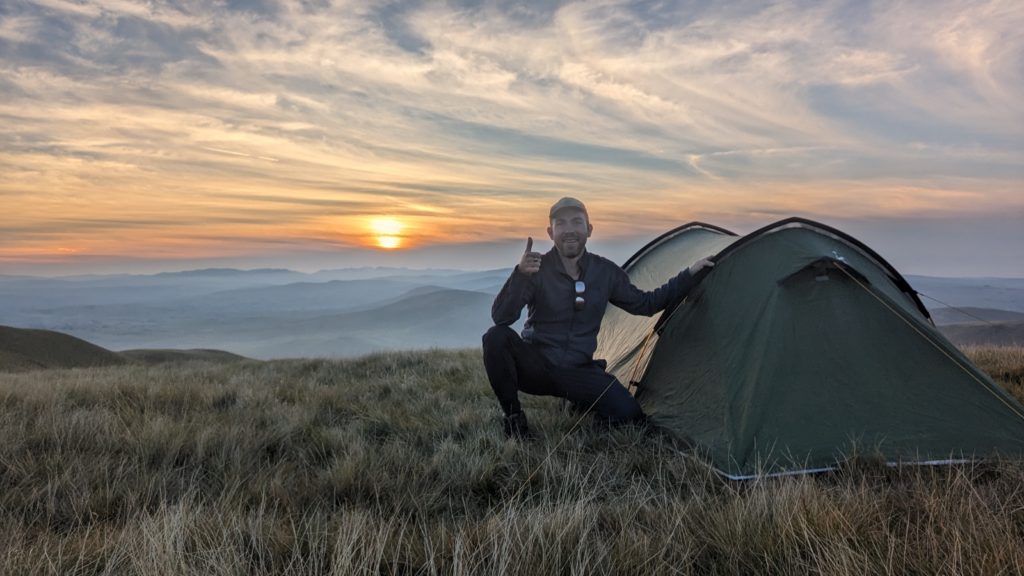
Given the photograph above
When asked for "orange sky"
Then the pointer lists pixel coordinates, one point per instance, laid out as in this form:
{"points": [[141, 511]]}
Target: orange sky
{"points": [[186, 136]]}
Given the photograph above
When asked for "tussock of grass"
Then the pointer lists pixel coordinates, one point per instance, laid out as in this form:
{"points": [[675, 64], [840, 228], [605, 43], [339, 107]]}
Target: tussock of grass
{"points": [[394, 464]]}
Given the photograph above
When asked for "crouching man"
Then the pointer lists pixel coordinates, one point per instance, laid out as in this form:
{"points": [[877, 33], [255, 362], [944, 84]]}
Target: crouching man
{"points": [[566, 291]]}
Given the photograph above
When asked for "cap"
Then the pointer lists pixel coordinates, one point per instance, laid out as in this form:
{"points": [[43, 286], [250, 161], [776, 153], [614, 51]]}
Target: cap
{"points": [[567, 202]]}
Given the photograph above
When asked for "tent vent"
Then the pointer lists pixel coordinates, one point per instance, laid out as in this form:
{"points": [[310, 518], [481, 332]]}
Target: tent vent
{"points": [[819, 270]]}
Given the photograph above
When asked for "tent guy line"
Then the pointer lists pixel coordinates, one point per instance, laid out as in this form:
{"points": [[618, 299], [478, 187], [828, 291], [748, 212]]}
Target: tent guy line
{"points": [[951, 307]]}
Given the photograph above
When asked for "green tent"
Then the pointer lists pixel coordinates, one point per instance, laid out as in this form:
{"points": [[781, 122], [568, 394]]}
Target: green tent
{"points": [[799, 347]]}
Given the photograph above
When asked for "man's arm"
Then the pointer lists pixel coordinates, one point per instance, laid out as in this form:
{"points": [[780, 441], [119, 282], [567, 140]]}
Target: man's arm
{"points": [[518, 289], [636, 301]]}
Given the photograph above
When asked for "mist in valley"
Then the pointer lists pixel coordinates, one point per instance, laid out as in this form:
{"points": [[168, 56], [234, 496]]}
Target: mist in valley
{"points": [[277, 313]]}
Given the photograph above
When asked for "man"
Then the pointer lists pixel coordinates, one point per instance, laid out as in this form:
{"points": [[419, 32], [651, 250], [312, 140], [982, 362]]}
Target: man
{"points": [[566, 291]]}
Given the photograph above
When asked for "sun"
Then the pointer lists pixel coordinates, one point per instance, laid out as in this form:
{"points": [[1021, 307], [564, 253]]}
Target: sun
{"points": [[387, 232], [389, 242]]}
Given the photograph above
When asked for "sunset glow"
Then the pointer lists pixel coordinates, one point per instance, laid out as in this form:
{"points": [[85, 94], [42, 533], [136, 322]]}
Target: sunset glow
{"points": [[389, 242], [387, 232], [234, 133]]}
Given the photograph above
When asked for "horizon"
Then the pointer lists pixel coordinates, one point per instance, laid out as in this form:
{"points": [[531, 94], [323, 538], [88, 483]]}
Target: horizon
{"points": [[902, 252], [146, 138], [368, 267]]}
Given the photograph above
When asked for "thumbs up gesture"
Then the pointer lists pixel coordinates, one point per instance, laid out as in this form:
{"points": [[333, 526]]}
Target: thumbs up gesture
{"points": [[529, 264]]}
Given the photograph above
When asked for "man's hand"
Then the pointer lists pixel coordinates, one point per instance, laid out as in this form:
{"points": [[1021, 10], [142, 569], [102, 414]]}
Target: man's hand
{"points": [[700, 265], [529, 264]]}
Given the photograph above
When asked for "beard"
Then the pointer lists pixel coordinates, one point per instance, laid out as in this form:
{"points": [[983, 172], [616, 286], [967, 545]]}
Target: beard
{"points": [[571, 246]]}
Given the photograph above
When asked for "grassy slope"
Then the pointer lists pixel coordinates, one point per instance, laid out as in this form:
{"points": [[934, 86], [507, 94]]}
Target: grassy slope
{"points": [[393, 464], [158, 356], [25, 349]]}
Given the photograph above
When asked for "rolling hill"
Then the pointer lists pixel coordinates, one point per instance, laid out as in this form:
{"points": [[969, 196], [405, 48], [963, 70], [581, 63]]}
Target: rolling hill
{"points": [[971, 325], [994, 293], [970, 314], [982, 333], [29, 349], [343, 313], [24, 349], [161, 356], [424, 317]]}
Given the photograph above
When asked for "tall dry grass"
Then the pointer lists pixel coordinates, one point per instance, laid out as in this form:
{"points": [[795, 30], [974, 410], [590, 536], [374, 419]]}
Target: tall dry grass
{"points": [[394, 464]]}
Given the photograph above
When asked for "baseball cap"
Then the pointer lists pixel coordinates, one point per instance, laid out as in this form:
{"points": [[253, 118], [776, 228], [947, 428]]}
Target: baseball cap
{"points": [[567, 202]]}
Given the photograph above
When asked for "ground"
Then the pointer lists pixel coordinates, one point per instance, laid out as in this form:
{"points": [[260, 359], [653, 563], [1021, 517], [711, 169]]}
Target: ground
{"points": [[395, 464]]}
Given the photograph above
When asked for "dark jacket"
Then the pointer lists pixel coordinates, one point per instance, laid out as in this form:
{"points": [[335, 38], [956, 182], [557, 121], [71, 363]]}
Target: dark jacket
{"points": [[568, 337]]}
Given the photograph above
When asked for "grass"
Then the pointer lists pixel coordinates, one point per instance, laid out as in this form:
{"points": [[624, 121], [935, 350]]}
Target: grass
{"points": [[394, 464]]}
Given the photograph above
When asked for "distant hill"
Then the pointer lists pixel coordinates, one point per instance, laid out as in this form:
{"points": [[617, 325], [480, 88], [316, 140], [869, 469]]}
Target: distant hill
{"points": [[221, 272], [426, 316], [480, 281], [270, 301], [995, 293], [970, 314], [367, 272], [995, 333], [30, 349], [437, 308], [276, 313], [160, 356], [25, 349]]}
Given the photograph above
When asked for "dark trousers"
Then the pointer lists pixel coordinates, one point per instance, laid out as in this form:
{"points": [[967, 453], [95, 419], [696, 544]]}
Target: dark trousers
{"points": [[513, 365]]}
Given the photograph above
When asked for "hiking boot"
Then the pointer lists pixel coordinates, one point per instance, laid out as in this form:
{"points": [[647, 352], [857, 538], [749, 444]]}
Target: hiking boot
{"points": [[516, 427]]}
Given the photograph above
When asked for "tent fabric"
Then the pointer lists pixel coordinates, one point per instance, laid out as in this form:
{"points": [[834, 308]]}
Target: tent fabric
{"points": [[625, 340], [798, 349]]}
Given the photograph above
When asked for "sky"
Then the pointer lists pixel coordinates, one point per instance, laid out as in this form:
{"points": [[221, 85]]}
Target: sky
{"points": [[157, 136]]}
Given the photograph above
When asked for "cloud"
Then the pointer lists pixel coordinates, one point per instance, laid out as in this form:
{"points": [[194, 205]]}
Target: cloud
{"points": [[468, 118]]}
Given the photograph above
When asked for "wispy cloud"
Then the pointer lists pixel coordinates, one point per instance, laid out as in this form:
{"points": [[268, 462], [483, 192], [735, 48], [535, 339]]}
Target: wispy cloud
{"points": [[298, 120]]}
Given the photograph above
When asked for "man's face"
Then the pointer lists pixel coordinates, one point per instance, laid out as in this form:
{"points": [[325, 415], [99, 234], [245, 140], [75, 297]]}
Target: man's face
{"points": [[569, 231]]}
